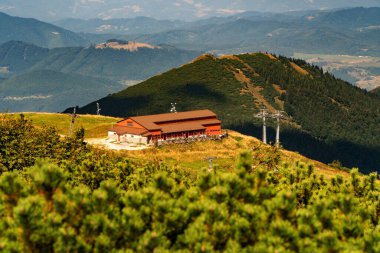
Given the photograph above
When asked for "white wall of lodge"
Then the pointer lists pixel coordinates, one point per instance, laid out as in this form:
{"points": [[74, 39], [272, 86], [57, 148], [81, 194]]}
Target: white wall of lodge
{"points": [[131, 138]]}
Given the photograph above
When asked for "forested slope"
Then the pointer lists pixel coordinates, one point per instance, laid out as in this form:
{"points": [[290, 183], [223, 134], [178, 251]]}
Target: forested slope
{"points": [[333, 119]]}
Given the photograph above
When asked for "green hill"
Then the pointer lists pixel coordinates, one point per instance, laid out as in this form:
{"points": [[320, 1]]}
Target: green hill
{"points": [[36, 32], [47, 90], [331, 119]]}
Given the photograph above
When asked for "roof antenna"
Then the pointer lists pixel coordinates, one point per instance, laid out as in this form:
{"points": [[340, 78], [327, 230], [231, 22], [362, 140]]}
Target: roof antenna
{"points": [[173, 109], [98, 109]]}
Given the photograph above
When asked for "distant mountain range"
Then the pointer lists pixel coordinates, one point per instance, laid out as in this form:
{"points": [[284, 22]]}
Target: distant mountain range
{"points": [[50, 91], [326, 113], [353, 31], [138, 25], [40, 79], [36, 32], [349, 31]]}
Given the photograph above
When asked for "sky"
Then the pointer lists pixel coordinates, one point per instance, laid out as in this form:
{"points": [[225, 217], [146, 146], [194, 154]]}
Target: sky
{"points": [[51, 10]]}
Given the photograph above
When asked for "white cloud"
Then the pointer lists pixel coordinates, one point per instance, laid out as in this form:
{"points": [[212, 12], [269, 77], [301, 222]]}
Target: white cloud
{"points": [[201, 10], [92, 1], [229, 11]]}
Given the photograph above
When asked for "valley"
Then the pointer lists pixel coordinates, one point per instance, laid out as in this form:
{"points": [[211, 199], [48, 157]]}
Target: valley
{"points": [[362, 71]]}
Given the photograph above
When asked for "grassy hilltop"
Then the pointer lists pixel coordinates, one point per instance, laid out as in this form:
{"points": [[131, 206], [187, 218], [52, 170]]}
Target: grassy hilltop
{"points": [[94, 126], [191, 157]]}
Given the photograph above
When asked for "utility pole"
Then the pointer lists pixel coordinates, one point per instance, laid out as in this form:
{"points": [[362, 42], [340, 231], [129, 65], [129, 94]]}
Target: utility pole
{"points": [[98, 109], [263, 114], [73, 117]]}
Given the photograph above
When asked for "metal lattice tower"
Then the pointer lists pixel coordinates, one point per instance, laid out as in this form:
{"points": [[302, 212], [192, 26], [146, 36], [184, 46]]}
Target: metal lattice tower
{"points": [[98, 109], [263, 114]]}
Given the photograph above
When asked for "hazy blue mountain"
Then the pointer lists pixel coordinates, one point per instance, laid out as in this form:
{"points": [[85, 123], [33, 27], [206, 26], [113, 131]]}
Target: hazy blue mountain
{"points": [[115, 64], [36, 32], [17, 56], [354, 18], [138, 25], [51, 91], [315, 32]]}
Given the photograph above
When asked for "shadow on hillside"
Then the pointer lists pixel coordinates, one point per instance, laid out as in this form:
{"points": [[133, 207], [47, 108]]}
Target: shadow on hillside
{"points": [[123, 106], [199, 91], [348, 153]]}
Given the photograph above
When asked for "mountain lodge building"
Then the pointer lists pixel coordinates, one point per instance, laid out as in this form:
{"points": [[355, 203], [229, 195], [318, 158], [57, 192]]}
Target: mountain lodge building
{"points": [[165, 127]]}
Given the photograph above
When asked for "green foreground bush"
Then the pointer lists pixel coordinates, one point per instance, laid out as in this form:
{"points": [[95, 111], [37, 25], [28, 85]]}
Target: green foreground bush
{"points": [[87, 203]]}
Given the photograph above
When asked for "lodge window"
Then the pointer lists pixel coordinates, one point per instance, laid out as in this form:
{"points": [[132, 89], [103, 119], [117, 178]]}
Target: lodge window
{"points": [[129, 124]]}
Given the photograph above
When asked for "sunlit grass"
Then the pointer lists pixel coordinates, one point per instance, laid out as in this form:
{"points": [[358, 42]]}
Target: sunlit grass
{"points": [[95, 126]]}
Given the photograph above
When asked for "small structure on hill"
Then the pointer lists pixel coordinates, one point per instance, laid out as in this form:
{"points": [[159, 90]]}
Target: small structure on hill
{"points": [[168, 127]]}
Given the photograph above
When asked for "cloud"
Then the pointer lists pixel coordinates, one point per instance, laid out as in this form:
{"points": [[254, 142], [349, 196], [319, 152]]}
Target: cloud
{"points": [[229, 11], [92, 1], [120, 12], [201, 10]]}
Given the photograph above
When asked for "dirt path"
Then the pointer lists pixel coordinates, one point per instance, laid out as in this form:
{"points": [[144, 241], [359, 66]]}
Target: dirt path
{"points": [[254, 90], [107, 144]]}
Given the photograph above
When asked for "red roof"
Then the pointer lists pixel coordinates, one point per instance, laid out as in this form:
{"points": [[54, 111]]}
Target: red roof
{"points": [[128, 130], [182, 127], [152, 122], [170, 122]]}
